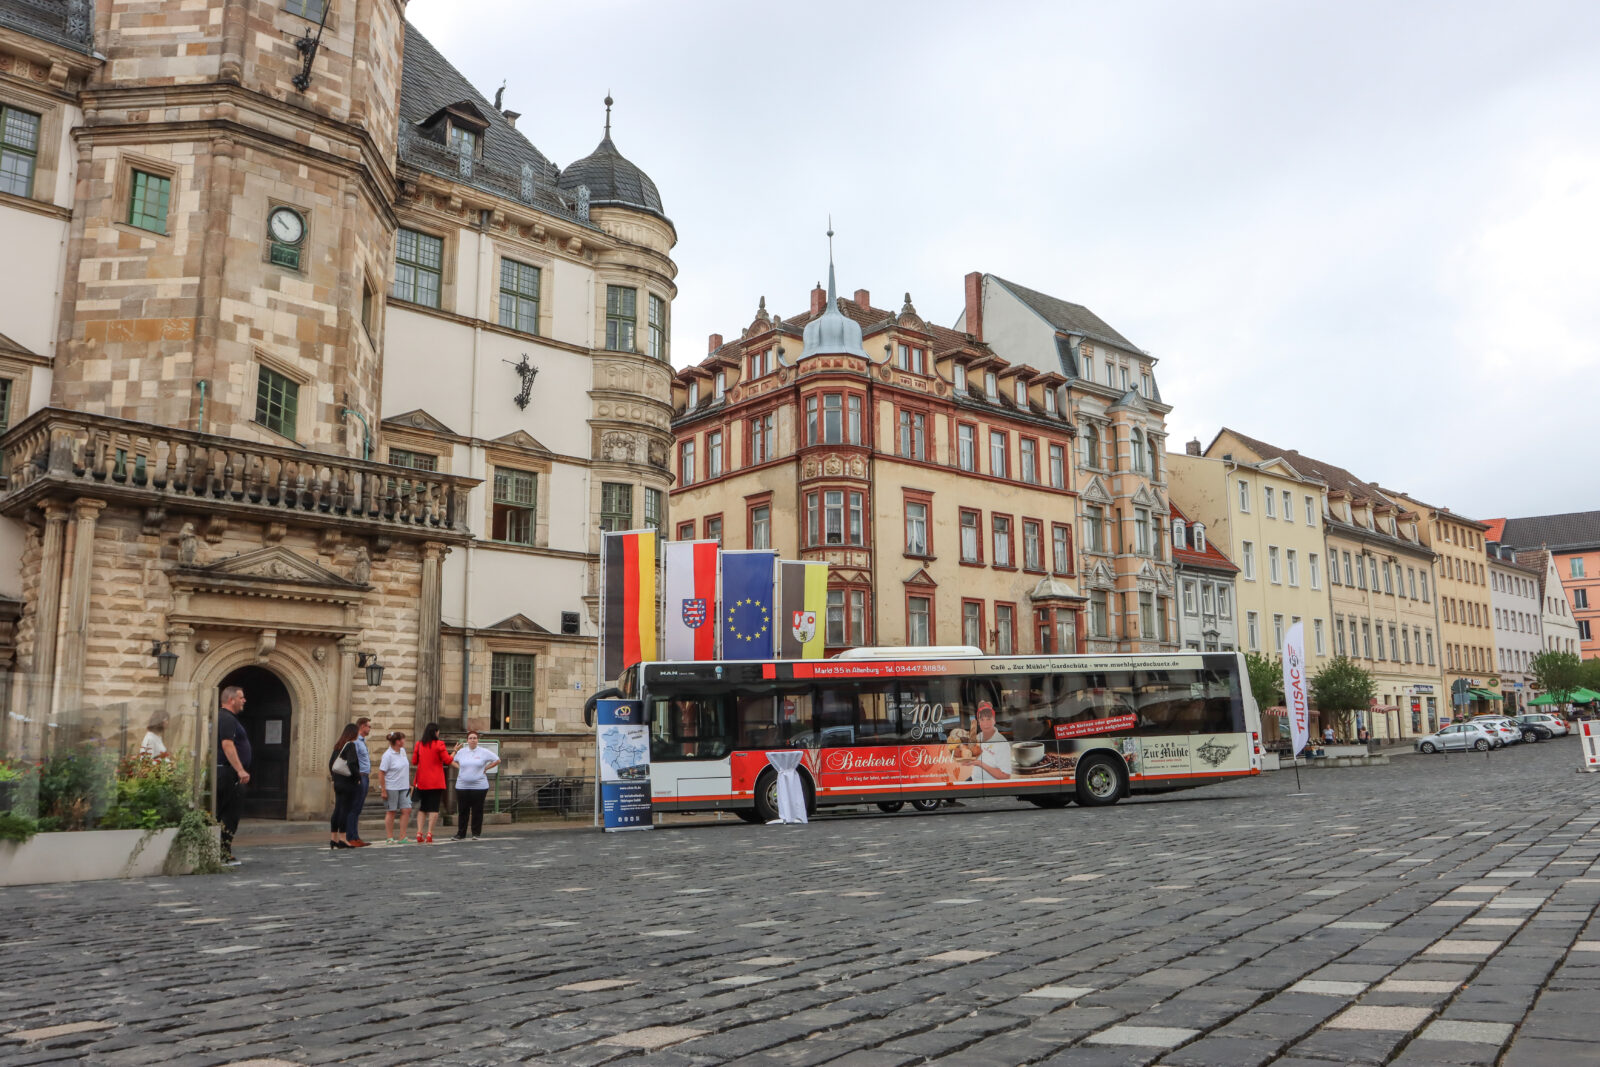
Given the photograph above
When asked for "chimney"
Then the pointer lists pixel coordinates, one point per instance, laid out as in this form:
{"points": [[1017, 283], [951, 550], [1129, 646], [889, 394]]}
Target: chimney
{"points": [[819, 299], [714, 343], [863, 298], [511, 117], [1193, 447], [975, 304]]}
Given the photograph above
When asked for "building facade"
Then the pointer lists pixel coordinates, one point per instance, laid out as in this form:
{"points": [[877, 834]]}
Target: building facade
{"points": [[1380, 591], [1518, 628], [1267, 518], [931, 475], [1558, 629], [1108, 390], [1205, 578], [198, 458], [1573, 541]]}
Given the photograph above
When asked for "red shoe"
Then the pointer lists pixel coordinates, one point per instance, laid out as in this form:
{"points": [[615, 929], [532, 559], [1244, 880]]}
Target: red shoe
{"points": [[430, 839], [419, 839], [359, 844]]}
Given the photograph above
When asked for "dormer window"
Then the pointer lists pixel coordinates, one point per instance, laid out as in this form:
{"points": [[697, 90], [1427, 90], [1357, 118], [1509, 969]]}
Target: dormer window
{"points": [[1199, 537], [694, 395], [721, 385], [961, 378], [463, 140], [1178, 534], [459, 126], [991, 386], [1050, 401], [1022, 394], [912, 359]]}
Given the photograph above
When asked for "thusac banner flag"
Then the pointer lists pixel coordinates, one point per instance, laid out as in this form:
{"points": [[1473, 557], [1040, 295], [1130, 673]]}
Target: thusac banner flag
{"points": [[1295, 699], [803, 608], [749, 621], [627, 600], [689, 578]]}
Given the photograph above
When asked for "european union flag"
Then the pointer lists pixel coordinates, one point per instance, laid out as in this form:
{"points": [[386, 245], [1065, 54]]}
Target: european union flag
{"points": [[748, 621]]}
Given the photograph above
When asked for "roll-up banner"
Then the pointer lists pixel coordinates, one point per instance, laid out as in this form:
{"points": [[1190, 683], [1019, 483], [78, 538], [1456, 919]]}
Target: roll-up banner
{"points": [[623, 744]]}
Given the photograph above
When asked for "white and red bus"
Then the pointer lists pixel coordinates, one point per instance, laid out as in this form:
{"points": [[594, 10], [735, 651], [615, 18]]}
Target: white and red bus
{"points": [[891, 726]]}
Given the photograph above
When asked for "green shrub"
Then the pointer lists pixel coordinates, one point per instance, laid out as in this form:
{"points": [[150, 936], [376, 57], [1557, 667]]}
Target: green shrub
{"points": [[15, 827], [151, 794], [74, 786]]}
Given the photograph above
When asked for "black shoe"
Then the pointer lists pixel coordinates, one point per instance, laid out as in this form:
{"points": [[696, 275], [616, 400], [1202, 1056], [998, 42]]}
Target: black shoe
{"points": [[337, 844], [459, 837]]}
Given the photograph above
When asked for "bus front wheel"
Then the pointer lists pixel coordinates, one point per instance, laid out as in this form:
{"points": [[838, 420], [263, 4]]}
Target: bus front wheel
{"points": [[891, 806], [748, 815], [1099, 782]]}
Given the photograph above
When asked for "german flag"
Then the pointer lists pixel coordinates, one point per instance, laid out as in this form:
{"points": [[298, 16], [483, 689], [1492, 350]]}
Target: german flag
{"points": [[627, 601]]}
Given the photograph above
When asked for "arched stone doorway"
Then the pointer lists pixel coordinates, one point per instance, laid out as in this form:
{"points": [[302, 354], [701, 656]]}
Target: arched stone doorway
{"points": [[267, 718]]}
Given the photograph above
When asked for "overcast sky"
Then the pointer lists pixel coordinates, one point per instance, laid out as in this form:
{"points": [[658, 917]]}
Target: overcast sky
{"points": [[1369, 231]]}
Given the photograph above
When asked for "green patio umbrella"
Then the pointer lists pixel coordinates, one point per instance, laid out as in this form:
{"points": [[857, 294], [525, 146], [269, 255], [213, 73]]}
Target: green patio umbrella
{"points": [[1542, 700]]}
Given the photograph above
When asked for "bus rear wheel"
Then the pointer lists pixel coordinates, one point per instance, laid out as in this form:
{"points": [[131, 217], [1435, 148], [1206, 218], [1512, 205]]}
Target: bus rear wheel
{"points": [[891, 806], [925, 805], [1099, 782]]}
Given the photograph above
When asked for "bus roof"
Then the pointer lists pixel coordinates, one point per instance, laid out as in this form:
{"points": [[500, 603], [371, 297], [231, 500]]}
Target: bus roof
{"points": [[912, 652]]}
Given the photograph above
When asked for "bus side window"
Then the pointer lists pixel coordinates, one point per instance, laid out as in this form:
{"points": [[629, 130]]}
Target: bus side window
{"points": [[836, 716], [689, 728], [782, 720]]}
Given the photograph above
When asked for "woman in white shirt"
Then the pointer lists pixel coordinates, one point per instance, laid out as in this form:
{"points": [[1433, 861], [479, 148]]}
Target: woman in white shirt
{"points": [[472, 784], [396, 770], [154, 745]]}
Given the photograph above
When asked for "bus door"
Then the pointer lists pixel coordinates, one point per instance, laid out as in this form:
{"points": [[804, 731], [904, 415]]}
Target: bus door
{"points": [[690, 739]]}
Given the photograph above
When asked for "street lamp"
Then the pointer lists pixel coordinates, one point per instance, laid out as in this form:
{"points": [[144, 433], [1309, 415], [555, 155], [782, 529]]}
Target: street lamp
{"points": [[369, 660], [166, 659]]}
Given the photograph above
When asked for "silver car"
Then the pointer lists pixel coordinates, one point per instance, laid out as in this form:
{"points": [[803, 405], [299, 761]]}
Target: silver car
{"points": [[1508, 730], [1460, 736]]}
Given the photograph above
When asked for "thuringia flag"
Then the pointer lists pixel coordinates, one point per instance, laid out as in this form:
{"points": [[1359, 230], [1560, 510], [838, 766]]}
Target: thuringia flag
{"points": [[689, 582]]}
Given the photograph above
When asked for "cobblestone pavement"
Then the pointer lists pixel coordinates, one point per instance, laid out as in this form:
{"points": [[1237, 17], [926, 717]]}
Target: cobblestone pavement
{"points": [[1439, 910]]}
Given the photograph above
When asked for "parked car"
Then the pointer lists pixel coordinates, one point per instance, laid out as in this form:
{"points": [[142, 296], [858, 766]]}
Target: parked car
{"points": [[1508, 730], [1542, 726], [1462, 736]]}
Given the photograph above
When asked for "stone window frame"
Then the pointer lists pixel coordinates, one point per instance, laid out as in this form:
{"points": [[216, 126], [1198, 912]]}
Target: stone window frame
{"points": [[419, 441], [280, 366], [603, 286], [447, 242], [515, 459], [545, 264], [514, 645], [47, 155], [122, 192]]}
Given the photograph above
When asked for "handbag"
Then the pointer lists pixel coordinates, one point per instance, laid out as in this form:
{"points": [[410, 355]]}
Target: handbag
{"points": [[340, 766]]}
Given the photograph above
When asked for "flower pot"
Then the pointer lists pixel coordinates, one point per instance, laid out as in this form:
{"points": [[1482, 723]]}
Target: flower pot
{"points": [[87, 856]]}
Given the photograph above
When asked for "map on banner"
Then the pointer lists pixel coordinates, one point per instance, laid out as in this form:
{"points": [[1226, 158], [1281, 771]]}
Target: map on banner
{"points": [[624, 753]]}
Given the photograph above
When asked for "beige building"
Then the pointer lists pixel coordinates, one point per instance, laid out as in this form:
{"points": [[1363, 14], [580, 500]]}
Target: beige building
{"points": [[216, 235], [931, 475], [1107, 390], [1380, 591], [1266, 516]]}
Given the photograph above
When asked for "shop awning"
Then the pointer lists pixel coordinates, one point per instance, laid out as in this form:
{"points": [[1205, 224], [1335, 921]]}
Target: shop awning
{"points": [[1484, 694]]}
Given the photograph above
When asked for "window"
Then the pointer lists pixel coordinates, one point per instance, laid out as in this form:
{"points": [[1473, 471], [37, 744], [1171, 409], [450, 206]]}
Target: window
{"points": [[1311, 511], [1178, 539], [658, 327], [966, 457], [147, 202], [835, 524], [1576, 564], [398, 457], [990, 386], [1146, 386], [686, 463], [1316, 571], [686, 530], [654, 512], [1244, 497], [306, 9], [369, 319], [761, 527], [1091, 445], [1030, 459], [720, 387], [616, 506], [18, 151], [833, 516], [811, 420], [694, 396], [1094, 528], [463, 140], [1249, 560], [515, 497], [1348, 580], [999, 445], [622, 317], [1005, 629], [763, 438], [1580, 597], [1388, 584], [1274, 566], [519, 296], [1338, 635], [1288, 506], [913, 435], [714, 454], [1267, 504], [1584, 633], [1141, 531], [853, 426], [1361, 573], [832, 419], [1050, 401], [958, 371], [972, 623], [1253, 631], [1277, 632], [916, 528], [714, 528], [1292, 561], [919, 620], [1207, 605], [1199, 538], [1191, 604], [1099, 615], [1058, 467], [1061, 548], [1372, 567], [971, 536], [1320, 636], [1137, 445], [1366, 639], [1405, 643], [1032, 545], [911, 359], [836, 622], [1394, 647], [762, 363], [277, 400], [1411, 581], [858, 617], [1355, 640], [418, 265], [1022, 394], [1001, 525], [511, 691]]}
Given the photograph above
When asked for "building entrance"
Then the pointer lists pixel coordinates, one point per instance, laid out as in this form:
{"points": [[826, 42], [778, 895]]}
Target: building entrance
{"points": [[267, 720]]}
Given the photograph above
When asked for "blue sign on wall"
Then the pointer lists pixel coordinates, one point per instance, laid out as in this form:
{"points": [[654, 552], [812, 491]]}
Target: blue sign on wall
{"points": [[623, 747]]}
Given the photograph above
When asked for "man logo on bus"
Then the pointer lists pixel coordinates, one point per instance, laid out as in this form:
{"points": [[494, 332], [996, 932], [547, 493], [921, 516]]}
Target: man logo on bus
{"points": [[804, 626], [694, 612]]}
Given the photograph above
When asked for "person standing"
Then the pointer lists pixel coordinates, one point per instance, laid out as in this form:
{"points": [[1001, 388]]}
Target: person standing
{"points": [[473, 764], [154, 744], [396, 771], [352, 832], [430, 757], [343, 768], [233, 768]]}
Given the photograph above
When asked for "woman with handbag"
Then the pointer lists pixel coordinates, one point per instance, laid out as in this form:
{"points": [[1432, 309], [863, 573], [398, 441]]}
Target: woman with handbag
{"points": [[430, 756], [342, 768]]}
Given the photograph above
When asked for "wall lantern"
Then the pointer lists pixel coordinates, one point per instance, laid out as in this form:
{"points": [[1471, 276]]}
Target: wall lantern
{"points": [[166, 659], [369, 660]]}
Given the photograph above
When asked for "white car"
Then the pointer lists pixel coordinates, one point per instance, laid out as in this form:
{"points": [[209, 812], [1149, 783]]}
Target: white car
{"points": [[1551, 725], [1461, 736], [1508, 730]]}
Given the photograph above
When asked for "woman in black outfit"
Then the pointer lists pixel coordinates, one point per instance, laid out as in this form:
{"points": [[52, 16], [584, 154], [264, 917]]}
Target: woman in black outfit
{"points": [[344, 785]]}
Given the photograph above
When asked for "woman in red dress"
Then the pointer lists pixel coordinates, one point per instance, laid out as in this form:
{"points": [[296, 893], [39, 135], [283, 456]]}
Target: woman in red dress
{"points": [[430, 756]]}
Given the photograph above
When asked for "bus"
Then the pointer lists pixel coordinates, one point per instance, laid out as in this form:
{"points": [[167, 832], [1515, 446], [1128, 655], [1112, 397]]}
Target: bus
{"points": [[897, 726]]}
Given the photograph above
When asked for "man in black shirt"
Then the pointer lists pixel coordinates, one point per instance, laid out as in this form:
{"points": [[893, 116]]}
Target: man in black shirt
{"points": [[233, 768]]}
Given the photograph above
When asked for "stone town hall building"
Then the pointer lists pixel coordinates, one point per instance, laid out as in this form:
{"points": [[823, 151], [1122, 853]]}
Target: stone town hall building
{"points": [[307, 358]]}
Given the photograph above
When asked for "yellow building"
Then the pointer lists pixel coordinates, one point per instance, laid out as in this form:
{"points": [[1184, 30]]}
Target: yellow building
{"points": [[1380, 592], [932, 476]]}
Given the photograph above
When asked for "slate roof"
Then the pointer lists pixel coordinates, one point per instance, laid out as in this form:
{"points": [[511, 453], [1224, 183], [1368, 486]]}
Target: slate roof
{"points": [[1573, 530], [428, 83], [1336, 478], [612, 179], [69, 23], [1211, 558], [1068, 317]]}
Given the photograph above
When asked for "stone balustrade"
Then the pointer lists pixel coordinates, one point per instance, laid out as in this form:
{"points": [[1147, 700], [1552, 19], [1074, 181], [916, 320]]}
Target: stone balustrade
{"points": [[54, 451]]}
